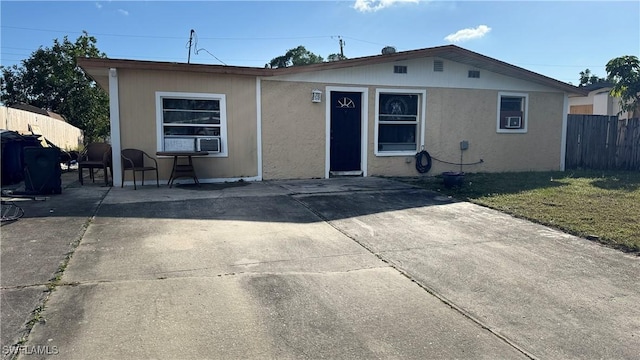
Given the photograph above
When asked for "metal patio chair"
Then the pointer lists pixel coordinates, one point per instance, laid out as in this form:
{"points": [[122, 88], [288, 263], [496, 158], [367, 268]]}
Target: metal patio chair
{"points": [[95, 156], [134, 160]]}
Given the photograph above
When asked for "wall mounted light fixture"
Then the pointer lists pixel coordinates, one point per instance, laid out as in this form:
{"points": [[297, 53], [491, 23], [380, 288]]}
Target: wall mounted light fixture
{"points": [[316, 96]]}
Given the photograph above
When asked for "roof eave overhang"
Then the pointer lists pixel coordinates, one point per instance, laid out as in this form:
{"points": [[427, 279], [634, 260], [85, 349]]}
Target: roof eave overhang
{"points": [[448, 52], [98, 68]]}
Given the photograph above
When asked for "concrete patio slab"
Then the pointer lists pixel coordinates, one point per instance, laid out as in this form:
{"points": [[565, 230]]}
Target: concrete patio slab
{"points": [[339, 268], [552, 294], [361, 314], [34, 247]]}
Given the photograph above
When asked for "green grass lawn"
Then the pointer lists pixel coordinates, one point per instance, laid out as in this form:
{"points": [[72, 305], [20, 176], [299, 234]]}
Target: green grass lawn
{"points": [[603, 206]]}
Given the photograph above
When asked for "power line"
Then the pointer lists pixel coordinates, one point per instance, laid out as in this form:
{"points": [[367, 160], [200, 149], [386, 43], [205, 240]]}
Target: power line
{"points": [[80, 32], [174, 37], [15, 48], [236, 39], [9, 53]]}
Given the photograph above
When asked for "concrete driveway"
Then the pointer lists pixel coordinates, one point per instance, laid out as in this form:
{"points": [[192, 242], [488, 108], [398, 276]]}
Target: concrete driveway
{"points": [[343, 268]]}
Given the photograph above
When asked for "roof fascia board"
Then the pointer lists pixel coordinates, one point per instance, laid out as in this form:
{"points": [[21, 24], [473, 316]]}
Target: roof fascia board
{"points": [[167, 66]]}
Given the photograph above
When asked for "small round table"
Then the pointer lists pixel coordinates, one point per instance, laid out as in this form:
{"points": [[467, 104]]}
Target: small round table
{"points": [[182, 170]]}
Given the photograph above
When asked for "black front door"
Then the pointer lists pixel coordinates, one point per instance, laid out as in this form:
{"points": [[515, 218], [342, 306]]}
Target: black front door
{"points": [[346, 139]]}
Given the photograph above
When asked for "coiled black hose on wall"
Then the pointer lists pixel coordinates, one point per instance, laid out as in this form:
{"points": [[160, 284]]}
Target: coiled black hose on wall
{"points": [[420, 165]]}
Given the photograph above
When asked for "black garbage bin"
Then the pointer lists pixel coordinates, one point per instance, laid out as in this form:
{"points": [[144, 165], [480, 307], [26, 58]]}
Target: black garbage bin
{"points": [[42, 173], [11, 156]]}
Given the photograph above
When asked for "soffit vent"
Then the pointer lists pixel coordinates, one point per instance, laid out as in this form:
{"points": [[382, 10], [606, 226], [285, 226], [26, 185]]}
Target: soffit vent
{"points": [[400, 69], [438, 65]]}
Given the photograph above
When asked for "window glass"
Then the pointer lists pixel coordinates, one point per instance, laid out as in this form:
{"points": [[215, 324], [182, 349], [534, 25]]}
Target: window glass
{"points": [[185, 118], [397, 122], [191, 117], [394, 137], [508, 103], [191, 130], [512, 113], [398, 107], [190, 104]]}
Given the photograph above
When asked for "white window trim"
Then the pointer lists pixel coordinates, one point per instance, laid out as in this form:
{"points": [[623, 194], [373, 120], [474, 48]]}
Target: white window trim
{"points": [[421, 121], [196, 96], [525, 116]]}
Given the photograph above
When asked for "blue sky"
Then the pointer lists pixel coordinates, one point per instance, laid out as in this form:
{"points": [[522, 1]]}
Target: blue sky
{"points": [[554, 38]]}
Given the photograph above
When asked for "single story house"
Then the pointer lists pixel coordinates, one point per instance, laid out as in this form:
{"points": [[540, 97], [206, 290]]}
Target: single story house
{"points": [[597, 101], [365, 116]]}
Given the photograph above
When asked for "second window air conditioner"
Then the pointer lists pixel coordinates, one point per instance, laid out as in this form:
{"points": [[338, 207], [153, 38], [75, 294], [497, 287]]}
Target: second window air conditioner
{"points": [[210, 144], [514, 122]]}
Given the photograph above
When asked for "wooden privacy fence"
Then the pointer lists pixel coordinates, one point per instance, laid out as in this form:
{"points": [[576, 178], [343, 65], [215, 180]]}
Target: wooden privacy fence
{"points": [[602, 143], [62, 134]]}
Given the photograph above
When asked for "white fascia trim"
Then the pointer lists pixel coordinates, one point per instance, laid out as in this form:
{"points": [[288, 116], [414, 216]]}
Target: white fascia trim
{"points": [[526, 113], [259, 126], [364, 125], [422, 121], [114, 122], [203, 96], [563, 140]]}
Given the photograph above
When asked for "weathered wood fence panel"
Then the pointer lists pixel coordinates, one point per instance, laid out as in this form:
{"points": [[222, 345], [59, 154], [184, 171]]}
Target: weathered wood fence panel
{"points": [[62, 134], [602, 143], [629, 145]]}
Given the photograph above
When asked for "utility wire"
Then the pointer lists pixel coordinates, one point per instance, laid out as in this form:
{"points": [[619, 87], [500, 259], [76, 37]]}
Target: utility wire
{"points": [[197, 51], [173, 37]]}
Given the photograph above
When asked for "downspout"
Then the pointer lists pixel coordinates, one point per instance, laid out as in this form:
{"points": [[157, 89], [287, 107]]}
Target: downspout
{"points": [[114, 115], [563, 140]]}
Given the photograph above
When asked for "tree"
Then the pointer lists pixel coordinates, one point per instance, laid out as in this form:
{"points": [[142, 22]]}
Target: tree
{"points": [[295, 57], [51, 79], [336, 57], [624, 72], [586, 78]]}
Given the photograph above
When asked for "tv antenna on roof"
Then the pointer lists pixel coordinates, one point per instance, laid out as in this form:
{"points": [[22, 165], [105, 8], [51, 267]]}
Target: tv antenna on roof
{"points": [[193, 42], [190, 42]]}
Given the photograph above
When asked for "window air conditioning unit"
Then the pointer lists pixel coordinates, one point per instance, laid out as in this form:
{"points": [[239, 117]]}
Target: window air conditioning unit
{"points": [[514, 122], [210, 144]]}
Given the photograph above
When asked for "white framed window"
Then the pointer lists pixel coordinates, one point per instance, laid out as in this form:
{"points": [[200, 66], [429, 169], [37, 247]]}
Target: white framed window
{"points": [[399, 117], [192, 121], [512, 113]]}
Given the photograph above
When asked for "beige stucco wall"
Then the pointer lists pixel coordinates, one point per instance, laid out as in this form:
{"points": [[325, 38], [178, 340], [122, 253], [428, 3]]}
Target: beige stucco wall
{"points": [[293, 128], [293, 131], [454, 115], [138, 125]]}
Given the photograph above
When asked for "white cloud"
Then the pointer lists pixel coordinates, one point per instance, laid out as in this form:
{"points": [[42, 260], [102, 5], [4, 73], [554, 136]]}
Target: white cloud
{"points": [[99, 6], [468, 34], [123, 12], [375, 5]]}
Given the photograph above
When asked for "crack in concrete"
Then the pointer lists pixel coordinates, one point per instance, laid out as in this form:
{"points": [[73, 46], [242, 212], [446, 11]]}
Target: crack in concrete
{"points": [[423, 286], [432, 245], [296, 260], [97, 282], [19, 287], [54, 282], [295, 194]]}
